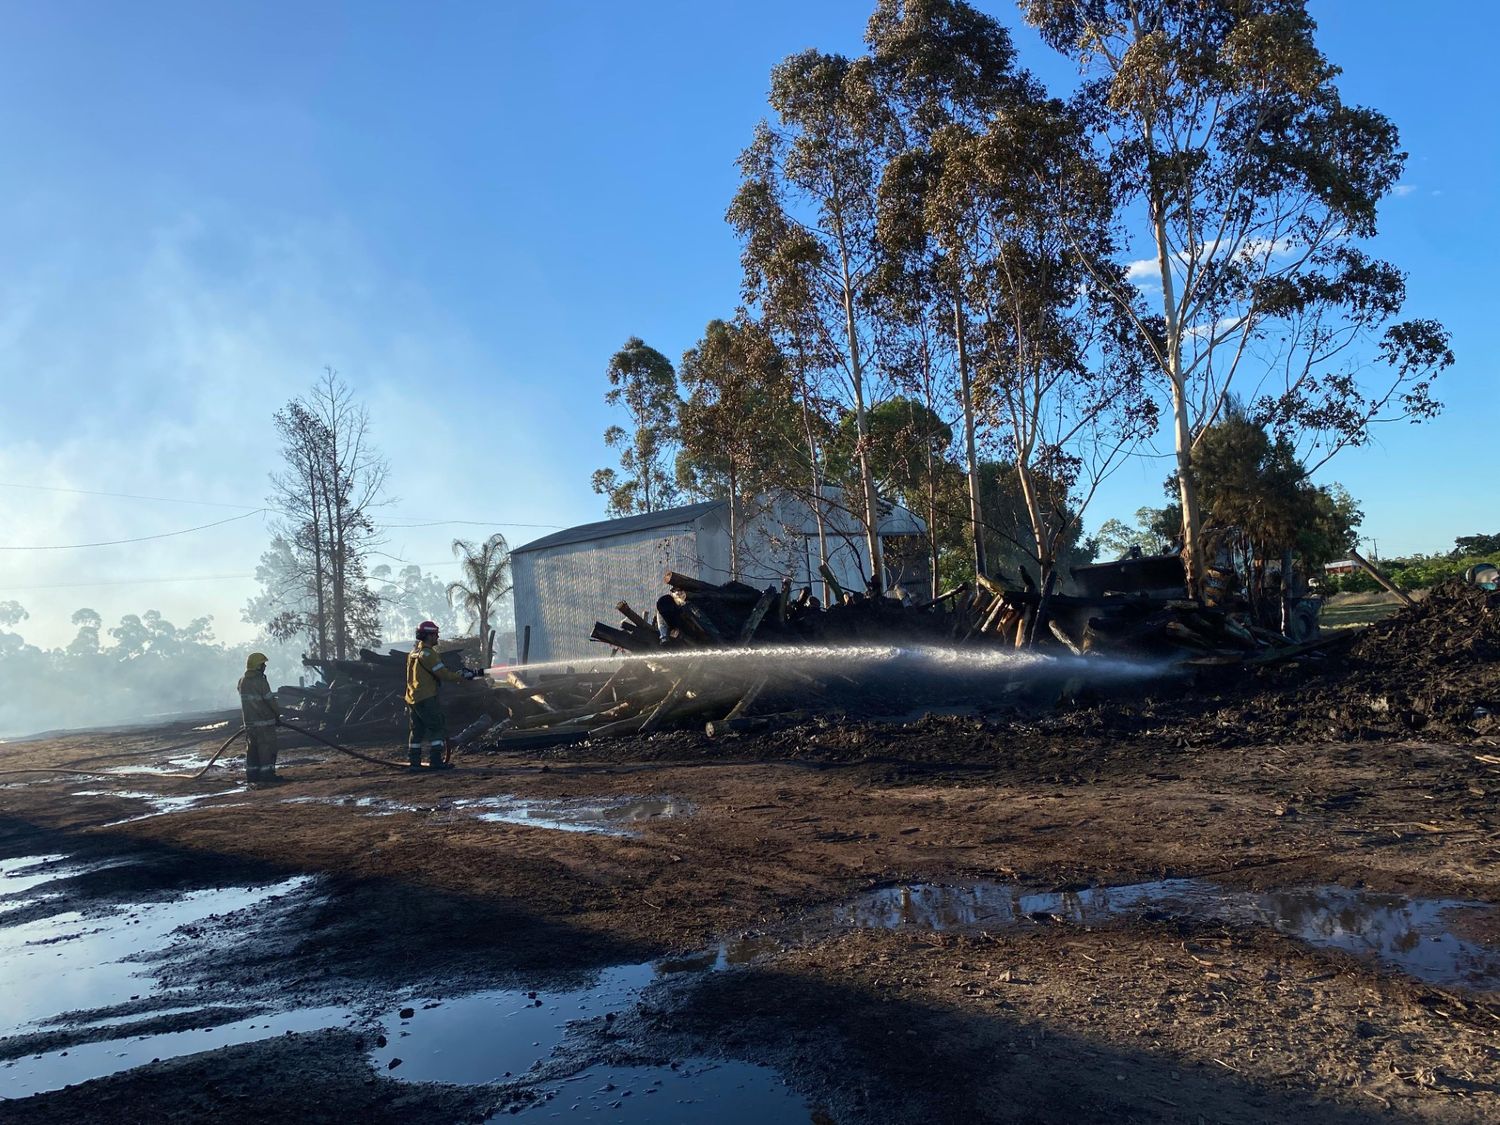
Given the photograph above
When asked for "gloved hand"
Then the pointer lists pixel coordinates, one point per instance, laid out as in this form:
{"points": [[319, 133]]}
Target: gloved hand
{"points": [[468, 673]]}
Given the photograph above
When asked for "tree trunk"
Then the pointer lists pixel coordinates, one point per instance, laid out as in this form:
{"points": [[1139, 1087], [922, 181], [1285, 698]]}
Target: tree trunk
{"points": [[1187, 493], [734, 526], [966, 388], [319, 577], [1187, 489], [861, 429], [817, 475]]}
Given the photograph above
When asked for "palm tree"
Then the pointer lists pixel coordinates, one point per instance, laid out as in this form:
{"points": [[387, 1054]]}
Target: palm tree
{"points": [[486, 579]]}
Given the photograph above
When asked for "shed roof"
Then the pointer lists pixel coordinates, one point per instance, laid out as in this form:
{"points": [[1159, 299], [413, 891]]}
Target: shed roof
{"points": [[626, 525]]}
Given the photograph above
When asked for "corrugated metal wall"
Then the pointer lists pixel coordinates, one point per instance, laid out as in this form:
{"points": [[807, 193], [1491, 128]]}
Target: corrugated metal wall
{"points": [[561, 591]]}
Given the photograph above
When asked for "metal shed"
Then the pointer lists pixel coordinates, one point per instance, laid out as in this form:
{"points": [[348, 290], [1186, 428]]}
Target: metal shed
{"points": [[566, 581]]}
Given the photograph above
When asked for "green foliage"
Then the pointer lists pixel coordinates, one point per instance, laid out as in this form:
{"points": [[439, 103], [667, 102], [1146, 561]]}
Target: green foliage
{"points": [[1253, 489], [1228, 139], [739, 423], [643, 382], [1477, 546], [904, 437], [1010, 542], [1422, 572], [1115, 540]]}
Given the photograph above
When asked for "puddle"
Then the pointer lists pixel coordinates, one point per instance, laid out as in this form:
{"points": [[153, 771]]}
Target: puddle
{"points": [[93, 973], [500, 1034], [61, 969], [374, 806], [740, 951], [26, 873], [183, 764], [36, 1074], [728, 1093], [1413, 935], [72, 963], [610, 818], [160, 805]]}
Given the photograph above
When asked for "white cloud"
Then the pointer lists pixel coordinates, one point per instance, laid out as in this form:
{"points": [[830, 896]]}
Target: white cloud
{"points": [[1257, 249], [1206, 332], [1403, 190]]}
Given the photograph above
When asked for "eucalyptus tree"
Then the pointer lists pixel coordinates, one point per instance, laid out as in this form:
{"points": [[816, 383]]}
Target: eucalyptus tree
{"points": [[1059, 380], [734, 421], [806, 212], [1254, 182], [643, 381], [943, 67]]}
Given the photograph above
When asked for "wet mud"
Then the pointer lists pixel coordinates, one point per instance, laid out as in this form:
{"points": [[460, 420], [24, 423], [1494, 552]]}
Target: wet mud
{"points": [[1214, 904]]}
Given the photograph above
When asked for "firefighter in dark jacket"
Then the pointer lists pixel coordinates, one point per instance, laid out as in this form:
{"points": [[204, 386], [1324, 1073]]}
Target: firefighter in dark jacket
{"points": [[425, 671], [260, 712]]}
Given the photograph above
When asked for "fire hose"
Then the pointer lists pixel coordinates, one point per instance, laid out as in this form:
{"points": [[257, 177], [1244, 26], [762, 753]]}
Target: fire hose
{"points": [[341, 749], [464, 736], [105, 773]]}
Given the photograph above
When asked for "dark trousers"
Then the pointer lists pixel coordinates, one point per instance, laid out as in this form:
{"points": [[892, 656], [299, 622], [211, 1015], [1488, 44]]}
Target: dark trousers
{"points": [[260, 755], [427, 724]]}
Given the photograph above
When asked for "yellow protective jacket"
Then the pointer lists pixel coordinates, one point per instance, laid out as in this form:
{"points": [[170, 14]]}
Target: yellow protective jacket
{"points": [[257, 700], [424, 668]]}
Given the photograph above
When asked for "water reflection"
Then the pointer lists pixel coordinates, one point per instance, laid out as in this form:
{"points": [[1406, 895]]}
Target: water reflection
{"points": [[1414, 935]]}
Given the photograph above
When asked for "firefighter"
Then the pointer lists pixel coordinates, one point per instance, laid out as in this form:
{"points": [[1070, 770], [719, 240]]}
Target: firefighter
{"points": [[261, 714], [425, 671]]}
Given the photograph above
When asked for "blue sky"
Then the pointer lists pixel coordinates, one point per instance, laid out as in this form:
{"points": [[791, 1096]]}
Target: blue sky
{"points": [[466, 208]]}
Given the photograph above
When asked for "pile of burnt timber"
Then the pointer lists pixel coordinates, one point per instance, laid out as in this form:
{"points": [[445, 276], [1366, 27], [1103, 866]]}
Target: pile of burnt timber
{"points": [[698, 614], [1130, 608], [669, 675], [370, 692]]}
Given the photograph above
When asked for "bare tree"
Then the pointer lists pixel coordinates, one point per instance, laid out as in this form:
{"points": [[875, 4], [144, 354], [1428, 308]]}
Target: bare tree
{"points": [[332, 481]]}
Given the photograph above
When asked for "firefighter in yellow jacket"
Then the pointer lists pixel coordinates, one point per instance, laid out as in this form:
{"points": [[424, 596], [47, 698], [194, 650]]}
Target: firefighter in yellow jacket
{"points": [[425, 671], [260, 711]]}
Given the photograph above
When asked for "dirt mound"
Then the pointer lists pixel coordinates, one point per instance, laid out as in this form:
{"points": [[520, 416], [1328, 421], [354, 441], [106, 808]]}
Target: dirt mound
{"points": [[1455, 624]]}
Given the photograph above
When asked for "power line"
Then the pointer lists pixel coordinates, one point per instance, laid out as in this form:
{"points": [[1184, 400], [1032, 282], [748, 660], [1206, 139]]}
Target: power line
{"points": [[472, 523], [250, 508], [130, 582], [138, 538], [124, 495], [179, 578]]}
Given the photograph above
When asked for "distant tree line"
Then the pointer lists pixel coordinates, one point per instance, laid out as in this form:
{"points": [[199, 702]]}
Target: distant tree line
{"points": [[972, 296], [142, 666]]}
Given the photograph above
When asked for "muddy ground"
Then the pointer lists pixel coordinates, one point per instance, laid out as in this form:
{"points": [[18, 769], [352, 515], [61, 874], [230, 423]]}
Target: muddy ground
{"points": [[1317, 940]]}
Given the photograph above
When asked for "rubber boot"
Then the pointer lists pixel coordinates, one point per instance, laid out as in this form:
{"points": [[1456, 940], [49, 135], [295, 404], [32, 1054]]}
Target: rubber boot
{"points": [[435, 758], [414, 758]]}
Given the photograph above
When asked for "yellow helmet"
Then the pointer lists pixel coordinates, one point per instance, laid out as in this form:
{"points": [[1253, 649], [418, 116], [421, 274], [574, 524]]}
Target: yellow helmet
{"points": [[255, 661]]}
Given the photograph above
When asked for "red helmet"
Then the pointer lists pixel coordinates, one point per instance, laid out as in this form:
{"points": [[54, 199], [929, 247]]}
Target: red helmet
{"points": [[428, 630]]}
